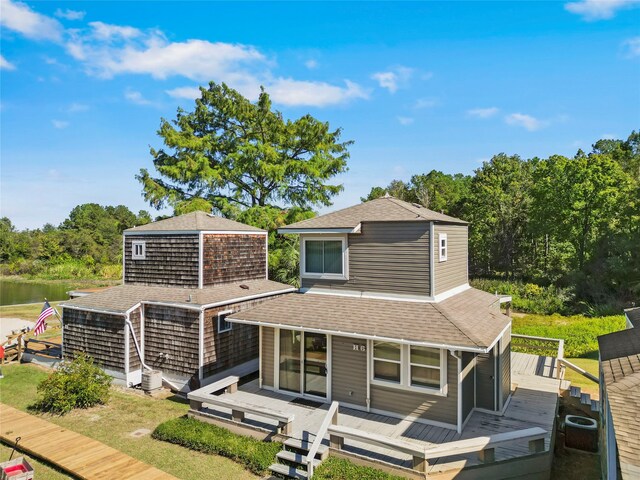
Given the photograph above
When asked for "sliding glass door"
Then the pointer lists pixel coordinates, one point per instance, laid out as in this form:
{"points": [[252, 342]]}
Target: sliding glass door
{"points": [[303, 362]]}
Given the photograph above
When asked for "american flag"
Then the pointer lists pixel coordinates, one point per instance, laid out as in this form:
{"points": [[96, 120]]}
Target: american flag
{"points": [[47, 311]]}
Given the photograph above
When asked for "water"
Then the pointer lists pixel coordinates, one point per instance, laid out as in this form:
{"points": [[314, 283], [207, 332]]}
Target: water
{"points": [[12, 293]]}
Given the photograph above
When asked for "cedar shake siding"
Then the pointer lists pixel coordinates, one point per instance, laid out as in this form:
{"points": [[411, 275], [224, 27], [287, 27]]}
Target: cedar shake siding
{"points": [[452, 272], [468, 386], [349, 371], [99, 335], [387, 257], [134, 358], [170, 260], [266, 366], [171, 339], [232, 258], [421, 405]]}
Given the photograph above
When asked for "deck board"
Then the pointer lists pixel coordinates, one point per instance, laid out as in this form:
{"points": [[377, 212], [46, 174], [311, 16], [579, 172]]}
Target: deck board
{"points": [[76, 454]]}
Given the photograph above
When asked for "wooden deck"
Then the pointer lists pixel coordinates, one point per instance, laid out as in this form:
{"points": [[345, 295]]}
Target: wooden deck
{"points": [[533, 404], [76, 454]]}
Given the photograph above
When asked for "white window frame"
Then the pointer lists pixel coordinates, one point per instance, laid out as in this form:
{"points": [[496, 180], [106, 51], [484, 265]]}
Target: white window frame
{"points": [[405, 373], [397, 362], [330, 276], [220, 319], [443, 251], [138, 256]]}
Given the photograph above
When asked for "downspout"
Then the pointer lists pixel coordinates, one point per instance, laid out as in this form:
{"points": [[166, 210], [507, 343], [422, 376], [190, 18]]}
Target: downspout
{"points": [[135, 342], [459, 358]]}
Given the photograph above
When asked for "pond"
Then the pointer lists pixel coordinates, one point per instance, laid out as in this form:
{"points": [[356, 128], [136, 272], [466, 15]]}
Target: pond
{"points": [[16, 292]]}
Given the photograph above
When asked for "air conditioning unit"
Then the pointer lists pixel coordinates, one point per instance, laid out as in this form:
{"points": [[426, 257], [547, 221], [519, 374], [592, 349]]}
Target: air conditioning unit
{"points": [[151, 380]]}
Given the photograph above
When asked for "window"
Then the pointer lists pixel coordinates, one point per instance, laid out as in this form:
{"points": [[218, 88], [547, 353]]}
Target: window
{"points": [[138, 250], [387, 362], [442, 246], [324, 258], [409, 367], [223, 325]]}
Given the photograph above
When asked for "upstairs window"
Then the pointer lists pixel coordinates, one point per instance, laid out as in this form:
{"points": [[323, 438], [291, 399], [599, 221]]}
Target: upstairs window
{"points": [[324, 258], [442, 246], [138, 250], [223, 325]]}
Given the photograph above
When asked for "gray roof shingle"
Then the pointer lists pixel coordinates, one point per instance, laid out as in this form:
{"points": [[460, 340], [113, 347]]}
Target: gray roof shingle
{"points": [[469, 319], [383, 209], [194, 222], [633, 314]]}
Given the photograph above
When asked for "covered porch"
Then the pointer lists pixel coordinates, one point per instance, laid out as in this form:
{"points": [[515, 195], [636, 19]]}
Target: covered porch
{"points": [[533, 403]]}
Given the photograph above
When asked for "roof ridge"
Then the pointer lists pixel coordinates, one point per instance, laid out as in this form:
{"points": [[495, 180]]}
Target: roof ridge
{"points": [[446, 315], [401, 203]]}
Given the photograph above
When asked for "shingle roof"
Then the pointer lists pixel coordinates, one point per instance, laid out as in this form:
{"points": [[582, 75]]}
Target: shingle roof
{"points": [[123, 297], [383, 209], [194, 222], [633, 314], [620, 365], [469, 319]]}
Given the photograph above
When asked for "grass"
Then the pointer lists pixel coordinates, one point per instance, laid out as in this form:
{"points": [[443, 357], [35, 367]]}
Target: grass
{"points": [[577, 380], [113, 423], [31, 312], [43, 471]]}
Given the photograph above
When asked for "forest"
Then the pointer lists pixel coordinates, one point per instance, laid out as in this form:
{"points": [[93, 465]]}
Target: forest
{"points": [[562, 234]]}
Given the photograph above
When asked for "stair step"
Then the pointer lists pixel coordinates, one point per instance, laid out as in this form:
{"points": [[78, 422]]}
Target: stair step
{"points": [[595, 405], [304, 446], [294, 457], [287, 471], [585, 399], [575, 392]]}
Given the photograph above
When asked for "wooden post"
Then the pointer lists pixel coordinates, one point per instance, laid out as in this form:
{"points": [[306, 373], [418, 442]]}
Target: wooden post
{"points": [[336, 442], [334, 418], [420, 464], [536, 446], [284, 428], [508, 309], [233, 388], [19, 348], [237, 415], [487, 455], [195, 405]]}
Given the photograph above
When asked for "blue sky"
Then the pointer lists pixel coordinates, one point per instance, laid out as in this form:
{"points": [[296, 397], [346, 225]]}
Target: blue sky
{"points": [[417, 86]]}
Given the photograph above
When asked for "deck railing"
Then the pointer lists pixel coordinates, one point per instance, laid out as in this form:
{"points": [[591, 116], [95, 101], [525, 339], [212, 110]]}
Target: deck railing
{"points": [[553, 347], [331, 418]]}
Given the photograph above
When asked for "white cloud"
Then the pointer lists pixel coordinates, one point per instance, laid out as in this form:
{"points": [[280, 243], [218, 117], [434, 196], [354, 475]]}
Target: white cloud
{"points": [[526, 121], [106, 31], [592, 10], [393, 79], [483, 112], [6, 64], [405, 120], [70, 14], [426, 103], [631, 47], [290, 92], [136, 97], [311, 64], [18, 17], [60, 124], [77, 108], [190, 93]]}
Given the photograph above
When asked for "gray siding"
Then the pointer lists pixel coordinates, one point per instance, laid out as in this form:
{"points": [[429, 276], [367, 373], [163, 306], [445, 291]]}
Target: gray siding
{"points": [[385, 257], [349, 371], [134, 358], [171, 339], [485, 381], [421, 405], [452, 272], [468, 386], [99, 335], [505, 363], [267, 356], [171, 260]]}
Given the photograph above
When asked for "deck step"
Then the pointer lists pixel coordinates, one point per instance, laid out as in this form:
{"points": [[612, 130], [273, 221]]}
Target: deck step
{"points": [[288, 472], [304, 446], [294, 457], [595, 406], [575, 392], [585, 399]]}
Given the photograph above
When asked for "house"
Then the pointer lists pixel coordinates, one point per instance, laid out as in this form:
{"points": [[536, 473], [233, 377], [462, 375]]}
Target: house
{"points": [[182, 277], [620, 401], [385, 321]]}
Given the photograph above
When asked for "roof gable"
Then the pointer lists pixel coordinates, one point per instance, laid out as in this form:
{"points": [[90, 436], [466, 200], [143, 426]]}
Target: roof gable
{"points": [[194, 222], [383, 209]]}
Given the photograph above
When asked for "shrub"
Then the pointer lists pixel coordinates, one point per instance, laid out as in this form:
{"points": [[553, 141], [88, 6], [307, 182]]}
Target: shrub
{"points": [[340, 469], [255, 455], [78, 383]]}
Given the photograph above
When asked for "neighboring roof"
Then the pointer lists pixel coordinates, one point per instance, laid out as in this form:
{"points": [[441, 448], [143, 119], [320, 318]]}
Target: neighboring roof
{"points": [[620, 365], [469, 319], [633, 314], [194, 222], [383, 209], [123, 297]]}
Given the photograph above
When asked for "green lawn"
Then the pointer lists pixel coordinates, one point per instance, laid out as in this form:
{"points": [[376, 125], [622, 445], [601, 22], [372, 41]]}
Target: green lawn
{"points": [[113, 423], [42, 471]]}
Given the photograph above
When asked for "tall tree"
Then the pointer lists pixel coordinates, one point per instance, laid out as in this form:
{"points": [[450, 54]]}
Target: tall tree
{"points": [[234, 154]]}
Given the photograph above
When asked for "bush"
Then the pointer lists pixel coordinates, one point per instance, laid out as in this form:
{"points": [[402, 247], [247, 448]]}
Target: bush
{"points": [[340, 469], [255, 455], [78, 383]]}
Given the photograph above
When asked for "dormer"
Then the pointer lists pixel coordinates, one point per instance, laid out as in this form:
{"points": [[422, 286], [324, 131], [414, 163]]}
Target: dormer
{"points": [[193, 251], [384, 248]]}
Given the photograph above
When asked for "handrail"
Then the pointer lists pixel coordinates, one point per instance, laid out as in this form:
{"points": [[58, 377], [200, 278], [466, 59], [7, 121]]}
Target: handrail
{"points": [[581, 371], [331, 418], [560, 350], [531, 337]]}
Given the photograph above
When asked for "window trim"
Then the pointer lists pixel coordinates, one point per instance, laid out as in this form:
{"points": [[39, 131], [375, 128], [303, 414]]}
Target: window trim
{"points": [[441, 237], [405, 372], [329, 276], [224, 312], [396, 362], [138, 243]]}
